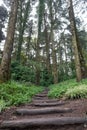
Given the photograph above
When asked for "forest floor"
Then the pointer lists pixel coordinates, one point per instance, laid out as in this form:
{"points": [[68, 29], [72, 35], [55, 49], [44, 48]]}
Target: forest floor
{"points": [[70, 110]]}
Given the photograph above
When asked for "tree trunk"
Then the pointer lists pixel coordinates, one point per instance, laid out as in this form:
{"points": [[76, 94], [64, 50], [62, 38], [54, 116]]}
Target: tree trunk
{"points": [[22, 26], [47, 47], [54, 65], [82, 62], [6, 59], [37, 66], [75, 41], [28, 43], [54, 59], [40, 15]]}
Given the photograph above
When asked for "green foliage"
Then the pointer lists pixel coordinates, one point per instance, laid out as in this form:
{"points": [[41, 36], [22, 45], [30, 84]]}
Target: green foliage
{"points": [[46, 79], [2, 105], [58, 90], [14, 93], [22, 73], [69, 89], [27, 74], [77, 92], [66, 71]]}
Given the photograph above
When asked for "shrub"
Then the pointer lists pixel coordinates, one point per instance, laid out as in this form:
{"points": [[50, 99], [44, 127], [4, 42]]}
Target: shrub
{"points": [[58, 90], [46, 78], [14, 93], [26, 73], [77, 92], [69, 89], [22, 73]]}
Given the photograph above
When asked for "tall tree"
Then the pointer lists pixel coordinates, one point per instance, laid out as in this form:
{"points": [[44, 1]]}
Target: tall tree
{"points": [[54, 59], [30, 24], [75, 41], [23, 16], [8, 47], [48, 65], [40, 16]]}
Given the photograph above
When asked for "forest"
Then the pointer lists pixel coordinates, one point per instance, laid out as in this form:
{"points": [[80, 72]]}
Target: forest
{"points": [[43, 44]]}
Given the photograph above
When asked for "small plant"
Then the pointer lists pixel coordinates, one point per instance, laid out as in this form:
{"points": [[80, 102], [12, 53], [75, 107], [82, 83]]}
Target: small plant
{"points": [[2, 105]]}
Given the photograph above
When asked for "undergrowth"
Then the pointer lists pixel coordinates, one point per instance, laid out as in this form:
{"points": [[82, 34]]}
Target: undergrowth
{"points": [[14, 93], [69, 89]]}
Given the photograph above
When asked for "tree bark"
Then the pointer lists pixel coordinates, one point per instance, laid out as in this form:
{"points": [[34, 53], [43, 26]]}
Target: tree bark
{"points": [[8, 47]]}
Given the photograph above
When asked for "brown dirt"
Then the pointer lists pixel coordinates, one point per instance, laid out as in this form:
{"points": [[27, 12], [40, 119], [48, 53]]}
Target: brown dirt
{"points": [[79, 109]]}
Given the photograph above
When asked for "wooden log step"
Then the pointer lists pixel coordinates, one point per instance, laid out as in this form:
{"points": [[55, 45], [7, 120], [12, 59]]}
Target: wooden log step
{"points": [[40, 98], [48, 104], [45, 100], [45, 92], [42, 111], [27, 123], [41, 95]]}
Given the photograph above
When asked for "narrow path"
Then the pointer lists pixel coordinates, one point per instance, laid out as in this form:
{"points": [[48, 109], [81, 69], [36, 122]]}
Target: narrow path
{"points": [[46, 114]]}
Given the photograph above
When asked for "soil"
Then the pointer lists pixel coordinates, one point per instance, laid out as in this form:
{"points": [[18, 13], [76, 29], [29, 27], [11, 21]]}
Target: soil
{"points": [[79, 109]]}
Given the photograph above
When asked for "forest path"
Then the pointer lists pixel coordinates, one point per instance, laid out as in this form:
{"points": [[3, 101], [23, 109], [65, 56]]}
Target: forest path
{"points": [[46, 114]]}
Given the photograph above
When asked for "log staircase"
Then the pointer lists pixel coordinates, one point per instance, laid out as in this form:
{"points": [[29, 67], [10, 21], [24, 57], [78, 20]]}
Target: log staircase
{"points": [[44, 115]]}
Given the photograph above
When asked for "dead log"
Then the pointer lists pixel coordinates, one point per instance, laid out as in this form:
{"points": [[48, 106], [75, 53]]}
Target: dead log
{"points": [[42, 111], [27, 123]]}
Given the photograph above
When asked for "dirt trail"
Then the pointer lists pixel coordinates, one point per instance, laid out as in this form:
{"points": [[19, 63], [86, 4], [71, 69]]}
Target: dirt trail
{"points": [[46, 114]]}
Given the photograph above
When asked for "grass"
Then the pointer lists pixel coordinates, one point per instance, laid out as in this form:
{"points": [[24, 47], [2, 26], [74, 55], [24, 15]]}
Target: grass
{"points": [[69, 89], [14, 93]]}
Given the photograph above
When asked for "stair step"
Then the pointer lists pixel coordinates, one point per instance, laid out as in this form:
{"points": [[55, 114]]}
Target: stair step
{"points": [[41, 95], [45, 92], [26, 123], [48, 104], [45, 100], [40, 98], [42, 111]]}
